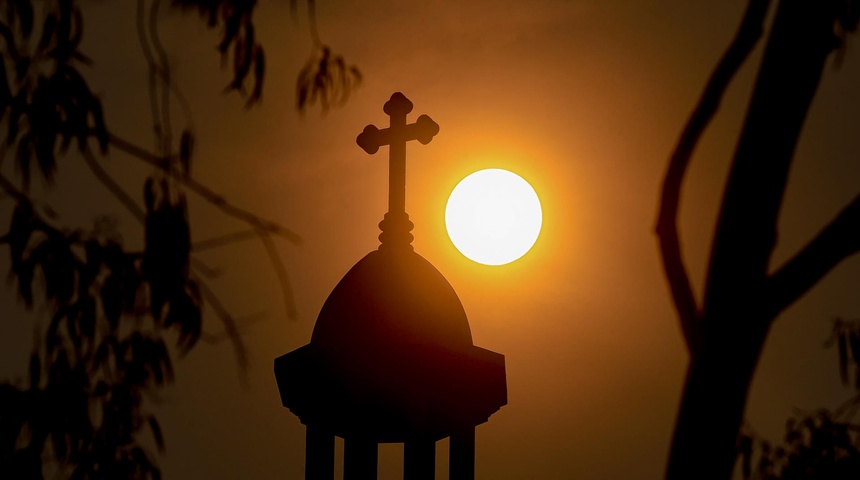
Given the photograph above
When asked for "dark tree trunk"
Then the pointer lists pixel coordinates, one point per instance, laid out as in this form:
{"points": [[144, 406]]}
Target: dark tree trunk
{"points": [[712, 406], [736, 318]]}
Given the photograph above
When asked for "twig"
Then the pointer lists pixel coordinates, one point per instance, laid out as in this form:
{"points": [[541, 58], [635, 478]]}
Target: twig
{"points": [[153, 74], [837, 241], [204, 269], [164, 70], [216, 338], [113, 187], [229, 325], [223, 240], [283, 279], [312, 23], [207, 194], [10, 189], [748, 34]]}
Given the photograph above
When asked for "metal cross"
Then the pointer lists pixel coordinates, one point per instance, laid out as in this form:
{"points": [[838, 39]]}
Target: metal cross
{"points": [[396, 136]]}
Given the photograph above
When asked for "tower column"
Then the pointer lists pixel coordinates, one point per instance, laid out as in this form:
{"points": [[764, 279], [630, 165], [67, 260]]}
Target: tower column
{"points": [[419, 460], [360, 458], [319, 454], [462, 455]]}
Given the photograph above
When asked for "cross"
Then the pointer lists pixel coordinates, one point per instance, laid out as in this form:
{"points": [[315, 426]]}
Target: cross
{"points": [[396, 136]]}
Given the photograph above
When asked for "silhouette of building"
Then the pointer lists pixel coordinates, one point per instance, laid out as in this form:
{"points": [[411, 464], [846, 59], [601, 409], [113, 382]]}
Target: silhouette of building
{"points": [[391, 357]]}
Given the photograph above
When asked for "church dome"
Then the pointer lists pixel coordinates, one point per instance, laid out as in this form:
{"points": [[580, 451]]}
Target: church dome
{"points": [[391, 357], [392, 298]]}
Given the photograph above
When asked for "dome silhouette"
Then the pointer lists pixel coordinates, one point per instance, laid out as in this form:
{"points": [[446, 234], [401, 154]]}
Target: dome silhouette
{"points": [[393, 299], [391, 357]]}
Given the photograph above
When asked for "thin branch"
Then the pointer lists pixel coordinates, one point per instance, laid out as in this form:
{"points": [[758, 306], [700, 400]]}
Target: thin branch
{"points": [[246, 321], [204, 269], [312, 23], [164, 70], [229, 325], [113, 187], [283, 279], [153, 73], [747, 36], [223, 240], [836, 242], [207, 194], [10, 189]]}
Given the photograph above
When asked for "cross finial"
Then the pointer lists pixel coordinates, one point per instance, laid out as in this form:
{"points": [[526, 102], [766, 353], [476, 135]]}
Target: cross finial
{"points": [[396, 225]]}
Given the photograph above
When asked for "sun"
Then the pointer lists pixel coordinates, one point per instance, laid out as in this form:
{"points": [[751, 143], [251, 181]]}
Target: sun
{"points": [[493, 216]]}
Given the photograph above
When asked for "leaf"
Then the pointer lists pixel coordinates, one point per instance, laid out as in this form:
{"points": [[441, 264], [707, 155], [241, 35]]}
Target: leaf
{"points": [[77, 26], [149, 194], [259, 74], [48, 30], [156, 433], [186, 312], [18, 104], [745, 450], [5, 92], [186, 148], [22, 66], [99, 124], [61, 448], [25, 12], [104, 351], [102, 389], [35, 370], [842, 349], [111, 297], [23, 155], [87, 319], [855, 355]]}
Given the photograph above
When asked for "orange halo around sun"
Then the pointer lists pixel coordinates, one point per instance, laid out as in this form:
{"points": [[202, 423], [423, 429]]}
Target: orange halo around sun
{"points": [[493, 216]]}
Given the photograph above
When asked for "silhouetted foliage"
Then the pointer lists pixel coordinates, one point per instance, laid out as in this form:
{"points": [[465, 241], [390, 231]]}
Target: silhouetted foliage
{"points": [[824, 444], [117, 318], [327, 79]]}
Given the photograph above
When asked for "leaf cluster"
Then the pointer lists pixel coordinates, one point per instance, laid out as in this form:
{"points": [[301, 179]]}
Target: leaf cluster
{"points": [[116, 317], [45, 102], [818, 445], [105, 346], [824, 444], [326, 78], [846, 337], [238, 40]]}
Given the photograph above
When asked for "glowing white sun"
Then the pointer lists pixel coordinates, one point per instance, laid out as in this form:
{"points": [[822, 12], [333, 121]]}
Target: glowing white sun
{"points": [[493, 217]]}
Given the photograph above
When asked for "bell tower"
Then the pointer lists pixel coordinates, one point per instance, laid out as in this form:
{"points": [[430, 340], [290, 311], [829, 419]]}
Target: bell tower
{"points": [[391, 357]]}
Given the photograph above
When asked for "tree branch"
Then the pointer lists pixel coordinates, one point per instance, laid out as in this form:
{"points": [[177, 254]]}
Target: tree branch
{"points": [[230, 328], [283, 279], [836, 242], [121, 195], [748, 34], [205, 193], [216, 338], [11, 190], [223, 240], [163, 68]]}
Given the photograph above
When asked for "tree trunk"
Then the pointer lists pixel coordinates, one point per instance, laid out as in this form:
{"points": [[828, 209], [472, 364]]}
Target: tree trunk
{"points": [[735, 315], [712, 405]]}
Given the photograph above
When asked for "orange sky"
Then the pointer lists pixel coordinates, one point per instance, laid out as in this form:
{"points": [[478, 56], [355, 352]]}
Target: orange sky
{"points": [[584, 99]]}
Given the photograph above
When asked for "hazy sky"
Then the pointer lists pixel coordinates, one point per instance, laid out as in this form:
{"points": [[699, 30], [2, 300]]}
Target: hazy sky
{"points": [[584, 99]]}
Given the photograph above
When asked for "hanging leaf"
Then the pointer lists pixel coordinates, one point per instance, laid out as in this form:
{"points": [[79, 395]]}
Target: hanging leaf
{"points": [[745, 450], [186, 148], [49, 28], [35, 370], [855, 355], [156, 433], [842, 349]]}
